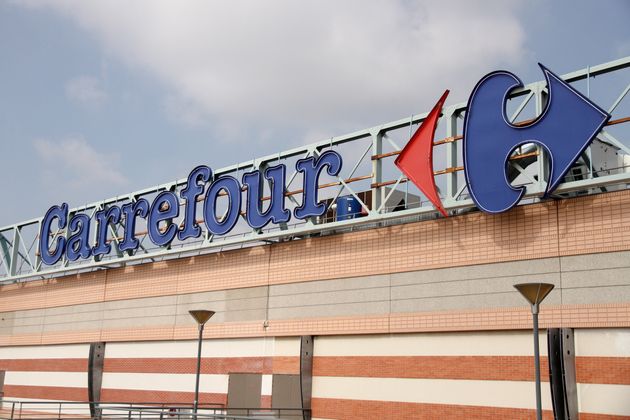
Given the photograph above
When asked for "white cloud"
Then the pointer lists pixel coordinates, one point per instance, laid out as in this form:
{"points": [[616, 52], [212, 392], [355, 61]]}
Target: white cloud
{"points": [[73, 163], [86, 90], [318, 66]]}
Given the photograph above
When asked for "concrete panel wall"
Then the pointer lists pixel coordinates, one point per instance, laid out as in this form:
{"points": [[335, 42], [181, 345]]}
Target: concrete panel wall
{"points": [[587, 279]]}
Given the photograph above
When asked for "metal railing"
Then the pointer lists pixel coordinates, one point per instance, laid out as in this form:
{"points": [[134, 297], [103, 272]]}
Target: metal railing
{"points": [[59, 410]]}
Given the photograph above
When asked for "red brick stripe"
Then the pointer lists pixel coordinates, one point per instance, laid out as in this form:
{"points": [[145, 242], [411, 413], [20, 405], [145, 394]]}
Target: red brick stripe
{"points": [[603, 370], [286, 365], [592, 370], [359, 409], [46, 392], [44, 365], [497, 368], [209, 365], [216, 365]]}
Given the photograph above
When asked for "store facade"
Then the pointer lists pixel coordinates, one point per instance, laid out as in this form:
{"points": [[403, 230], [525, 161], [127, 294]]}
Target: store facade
{"points": [[392, 311]]}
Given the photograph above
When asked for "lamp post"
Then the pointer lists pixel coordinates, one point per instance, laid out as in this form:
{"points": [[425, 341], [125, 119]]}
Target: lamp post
{"points": [[535, 293], [201, 316]]}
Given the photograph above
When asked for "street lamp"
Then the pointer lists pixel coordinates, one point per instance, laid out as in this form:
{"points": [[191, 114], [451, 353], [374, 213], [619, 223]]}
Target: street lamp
{"points": [[535, 293], [201, 316]]}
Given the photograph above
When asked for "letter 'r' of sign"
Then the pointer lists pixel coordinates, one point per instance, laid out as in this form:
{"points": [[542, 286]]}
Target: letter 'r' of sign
{"points": [[566, 127]]}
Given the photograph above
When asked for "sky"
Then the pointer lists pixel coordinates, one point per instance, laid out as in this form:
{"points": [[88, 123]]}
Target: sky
{"points": [[101, 98]]}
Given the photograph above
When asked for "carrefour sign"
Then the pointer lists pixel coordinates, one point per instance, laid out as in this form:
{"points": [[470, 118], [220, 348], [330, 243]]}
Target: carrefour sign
{"points": [[567, 125], [165, 207]]}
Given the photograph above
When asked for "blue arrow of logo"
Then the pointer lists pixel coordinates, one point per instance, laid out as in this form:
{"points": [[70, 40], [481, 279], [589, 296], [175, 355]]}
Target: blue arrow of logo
{"points": [[566, 127]]}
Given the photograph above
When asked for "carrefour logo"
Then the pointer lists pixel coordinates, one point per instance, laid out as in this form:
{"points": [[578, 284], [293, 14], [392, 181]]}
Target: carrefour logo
{"points": [[567, 125]]}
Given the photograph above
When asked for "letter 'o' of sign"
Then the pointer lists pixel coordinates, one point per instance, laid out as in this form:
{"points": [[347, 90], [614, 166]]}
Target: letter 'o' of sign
{"points": [[566, 127]]}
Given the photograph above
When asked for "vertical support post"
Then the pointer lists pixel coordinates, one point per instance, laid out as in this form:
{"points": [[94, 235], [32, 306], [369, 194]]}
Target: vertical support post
{"points": [[537, 362], [451, 153], [15, 251], [306, 374], [96, 361], [5, 253], [38, 255], [377, 169], [196, 403], [562, 379], [589, 153]]}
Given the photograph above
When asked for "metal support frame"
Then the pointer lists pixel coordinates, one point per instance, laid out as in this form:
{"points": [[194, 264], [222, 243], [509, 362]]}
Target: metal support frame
{"points": [[20, 260], [562, 375]]}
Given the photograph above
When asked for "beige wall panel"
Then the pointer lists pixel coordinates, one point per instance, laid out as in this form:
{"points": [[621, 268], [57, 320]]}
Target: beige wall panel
{"points": [[596, 277], [149, 320], [438, 288], [322, 297], [286, 346], [609, 342], [69, 379], [231, 305], [229, 316], [181, 382], [25, 330], [341, 285], [500, 343], [221, 295], [594, 295], [154, 302], [604, 399], [453, 303], [480, 271], [342, 297], [237, 347], [72, 326], [334, 310], [75, 313], [62, 351], [596, 261], [433, 391], [22, 321]]}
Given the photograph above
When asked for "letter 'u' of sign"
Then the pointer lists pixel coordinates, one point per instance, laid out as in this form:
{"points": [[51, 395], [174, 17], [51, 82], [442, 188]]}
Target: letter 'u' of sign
{"points": [[567, 125]]}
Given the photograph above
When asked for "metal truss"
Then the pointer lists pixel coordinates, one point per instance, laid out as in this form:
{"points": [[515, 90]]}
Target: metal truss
{"points": [[368, 166]]}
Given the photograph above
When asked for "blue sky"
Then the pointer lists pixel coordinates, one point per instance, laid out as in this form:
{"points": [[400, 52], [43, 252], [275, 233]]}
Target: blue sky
{"points": [[98, 99]]}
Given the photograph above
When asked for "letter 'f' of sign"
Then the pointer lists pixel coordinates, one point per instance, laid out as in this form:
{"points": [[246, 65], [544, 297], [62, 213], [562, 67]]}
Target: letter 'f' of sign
{"points": [[566, 127]]}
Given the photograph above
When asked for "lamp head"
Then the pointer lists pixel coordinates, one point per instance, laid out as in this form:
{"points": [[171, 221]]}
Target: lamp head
{"points": [[535, 293], [201, 315]]}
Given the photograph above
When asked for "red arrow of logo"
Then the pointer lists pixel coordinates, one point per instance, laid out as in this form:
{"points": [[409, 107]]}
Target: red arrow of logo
{"points": [[416, 158]]}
